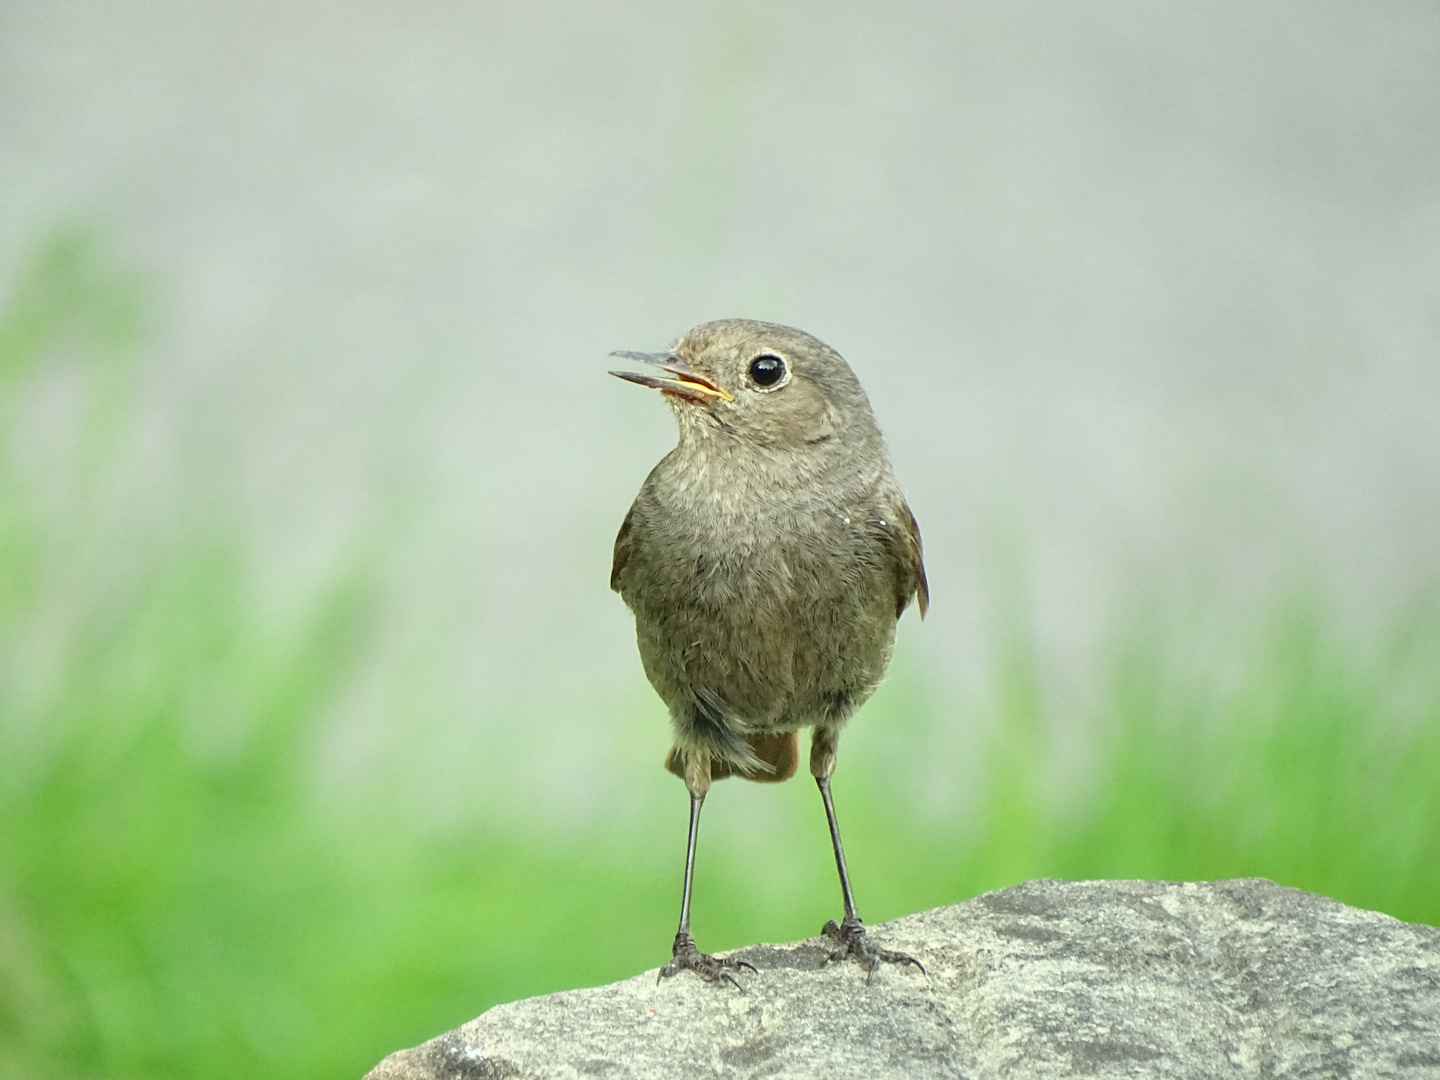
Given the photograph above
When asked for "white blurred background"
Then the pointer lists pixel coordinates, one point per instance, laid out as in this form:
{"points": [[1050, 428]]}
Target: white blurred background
{"points": [[1146, 297]]}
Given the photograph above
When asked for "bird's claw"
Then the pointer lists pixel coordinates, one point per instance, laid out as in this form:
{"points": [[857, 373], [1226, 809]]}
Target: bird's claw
{"points": [[684, 956], [850, 935]]}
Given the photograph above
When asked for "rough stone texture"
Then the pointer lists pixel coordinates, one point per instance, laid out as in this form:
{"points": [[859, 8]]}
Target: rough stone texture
{"points": [[1046, 979]]}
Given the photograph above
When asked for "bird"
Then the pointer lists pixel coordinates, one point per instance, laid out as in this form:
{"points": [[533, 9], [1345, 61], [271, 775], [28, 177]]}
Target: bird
{"points": [[767, 560]]}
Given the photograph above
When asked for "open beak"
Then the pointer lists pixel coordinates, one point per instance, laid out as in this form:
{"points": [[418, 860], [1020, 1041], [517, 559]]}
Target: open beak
{"points": [[685, 384]]}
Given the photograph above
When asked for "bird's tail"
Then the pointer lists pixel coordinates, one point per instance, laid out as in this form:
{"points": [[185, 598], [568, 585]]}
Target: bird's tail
{"points": [[778, 753], [709, 727]]}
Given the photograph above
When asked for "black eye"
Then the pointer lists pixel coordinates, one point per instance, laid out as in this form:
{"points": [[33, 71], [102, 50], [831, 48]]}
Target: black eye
{"points": [[767, 370]]}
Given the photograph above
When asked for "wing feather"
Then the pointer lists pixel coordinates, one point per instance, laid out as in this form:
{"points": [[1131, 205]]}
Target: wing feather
{"points": [[622, 551], [909, 562]]}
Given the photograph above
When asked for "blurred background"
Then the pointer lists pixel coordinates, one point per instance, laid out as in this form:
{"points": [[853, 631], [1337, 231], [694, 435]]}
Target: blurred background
{"points": [[320, 731]]}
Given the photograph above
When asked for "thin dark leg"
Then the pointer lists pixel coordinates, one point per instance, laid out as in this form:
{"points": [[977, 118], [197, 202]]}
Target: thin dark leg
{"points": [[850, 915], [695, 805], [850, 933], [683, 954]]}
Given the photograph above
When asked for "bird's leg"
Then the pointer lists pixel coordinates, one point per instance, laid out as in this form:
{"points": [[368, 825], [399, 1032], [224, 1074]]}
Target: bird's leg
{"points": [[849, 933], [683, 954]]}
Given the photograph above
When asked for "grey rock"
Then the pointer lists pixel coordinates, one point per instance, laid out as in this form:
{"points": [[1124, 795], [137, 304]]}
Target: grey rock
{"points": [[1047, 979]]}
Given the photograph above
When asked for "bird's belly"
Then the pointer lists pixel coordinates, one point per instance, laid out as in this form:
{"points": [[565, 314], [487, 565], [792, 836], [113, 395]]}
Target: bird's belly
{"points": [[775, 642]]}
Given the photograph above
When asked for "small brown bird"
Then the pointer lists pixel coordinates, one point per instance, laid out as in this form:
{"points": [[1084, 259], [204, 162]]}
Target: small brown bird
{"points": [[766, 559]]}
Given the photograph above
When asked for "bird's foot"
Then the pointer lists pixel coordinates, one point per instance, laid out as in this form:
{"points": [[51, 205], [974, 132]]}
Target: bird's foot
{"points": [[850, 936], [684, 956]]}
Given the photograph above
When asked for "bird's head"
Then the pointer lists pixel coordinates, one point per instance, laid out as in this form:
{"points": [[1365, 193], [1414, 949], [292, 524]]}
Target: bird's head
{"points": [[760, 385]]}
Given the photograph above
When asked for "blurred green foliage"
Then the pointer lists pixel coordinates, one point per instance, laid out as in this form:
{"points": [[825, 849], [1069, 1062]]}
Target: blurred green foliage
{"points": [[177, 899]]}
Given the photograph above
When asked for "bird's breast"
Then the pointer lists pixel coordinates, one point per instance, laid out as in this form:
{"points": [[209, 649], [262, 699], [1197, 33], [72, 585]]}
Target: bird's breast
{"points": [[756, 566]]}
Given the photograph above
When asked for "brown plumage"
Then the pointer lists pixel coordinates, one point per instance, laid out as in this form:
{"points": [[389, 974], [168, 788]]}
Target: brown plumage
{"points": [[766, 560]]}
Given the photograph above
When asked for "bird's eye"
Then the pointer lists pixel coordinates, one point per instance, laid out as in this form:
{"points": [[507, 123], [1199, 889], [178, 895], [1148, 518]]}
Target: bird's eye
{"points": [[767, 371]]}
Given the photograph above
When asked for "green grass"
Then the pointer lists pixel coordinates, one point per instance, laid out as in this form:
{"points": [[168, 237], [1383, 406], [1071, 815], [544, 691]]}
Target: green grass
{"points": [[179, 896]]}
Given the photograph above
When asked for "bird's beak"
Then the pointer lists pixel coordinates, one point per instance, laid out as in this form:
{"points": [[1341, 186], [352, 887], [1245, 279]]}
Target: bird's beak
{"points": [[686, 384]]}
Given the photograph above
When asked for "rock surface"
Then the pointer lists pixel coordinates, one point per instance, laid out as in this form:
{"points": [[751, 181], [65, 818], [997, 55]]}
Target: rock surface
{"points": [[1046, 979]]}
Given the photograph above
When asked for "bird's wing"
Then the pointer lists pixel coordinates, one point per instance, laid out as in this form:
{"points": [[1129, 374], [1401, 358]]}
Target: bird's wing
{"points": [[908, 561], [622, 551]]}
